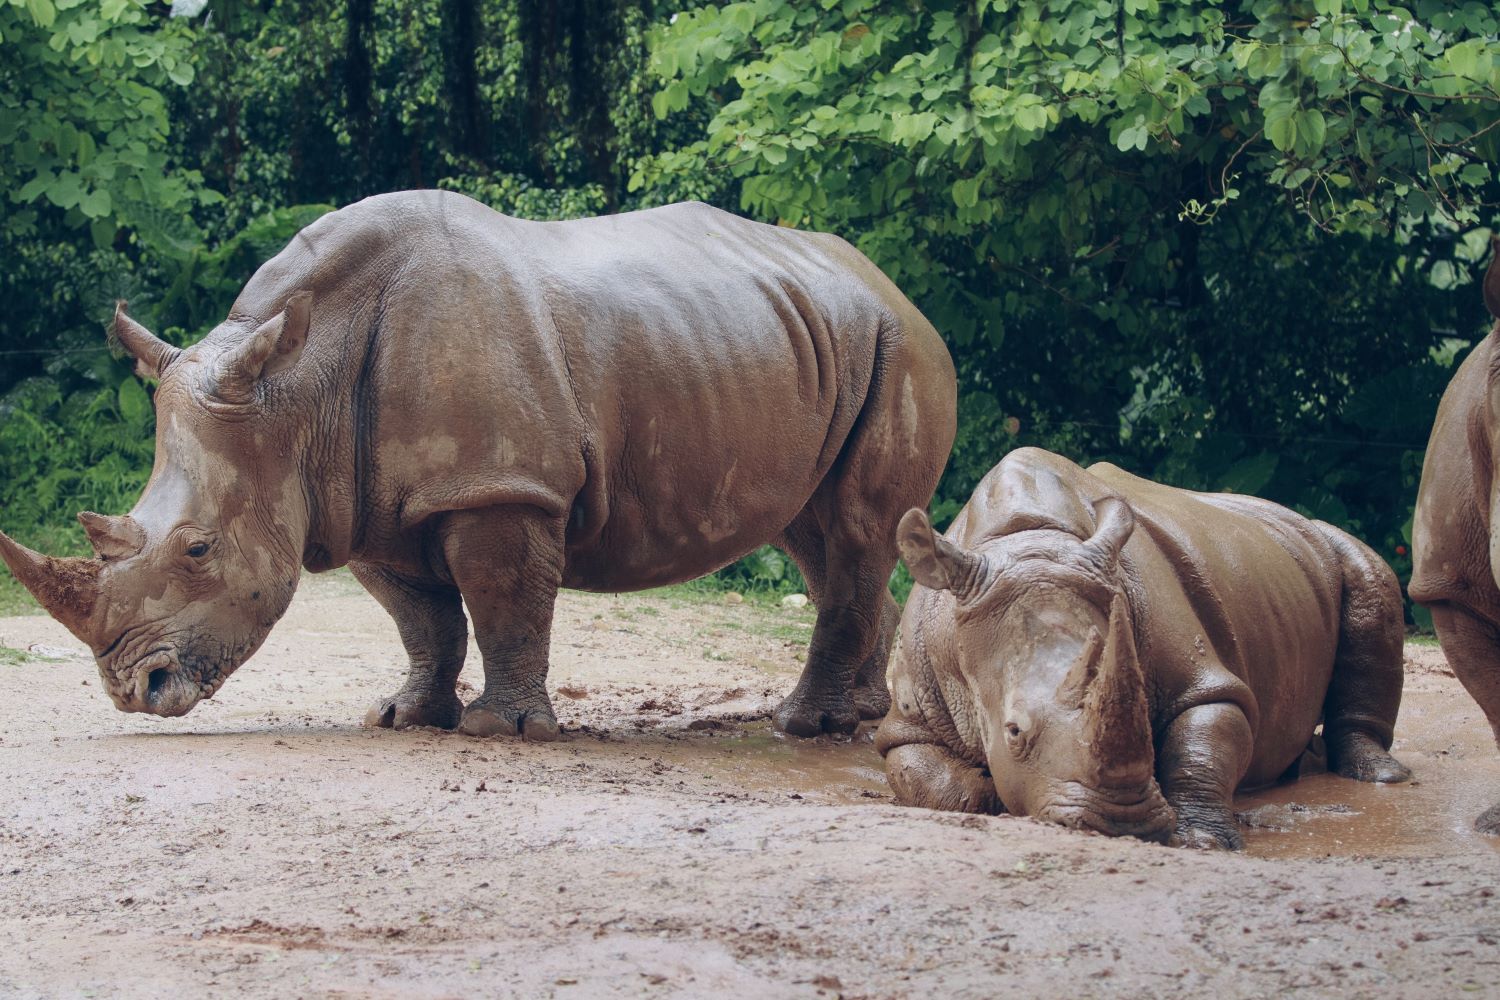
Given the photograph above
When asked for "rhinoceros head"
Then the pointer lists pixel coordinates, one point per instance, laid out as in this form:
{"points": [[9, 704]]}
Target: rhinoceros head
{"points": [[183, 589], [1046, 645]]}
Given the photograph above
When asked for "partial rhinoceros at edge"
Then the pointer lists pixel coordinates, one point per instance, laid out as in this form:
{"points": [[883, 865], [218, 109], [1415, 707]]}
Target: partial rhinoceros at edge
{"points": [[1455, 534], [1111, 654], [471, 409]]}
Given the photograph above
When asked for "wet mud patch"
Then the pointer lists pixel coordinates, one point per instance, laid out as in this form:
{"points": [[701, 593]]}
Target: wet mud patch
{"points": [[669, 844], [1442, 736]]}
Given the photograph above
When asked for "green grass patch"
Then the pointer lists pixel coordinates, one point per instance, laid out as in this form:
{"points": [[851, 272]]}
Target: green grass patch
{"points": [[14, 600], [14, 657]]}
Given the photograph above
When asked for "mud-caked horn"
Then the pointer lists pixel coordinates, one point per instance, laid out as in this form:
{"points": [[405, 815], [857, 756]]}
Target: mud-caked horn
{"points": [[67, 588], [1116, 715], [152, 354]]}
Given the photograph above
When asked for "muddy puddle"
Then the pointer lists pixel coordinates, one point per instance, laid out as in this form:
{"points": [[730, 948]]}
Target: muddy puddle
{"points": [[823, 770], [1457, 776]]}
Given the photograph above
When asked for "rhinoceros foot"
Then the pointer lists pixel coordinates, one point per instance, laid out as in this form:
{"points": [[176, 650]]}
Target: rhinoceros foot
{"points": [[1489, 821], [404, 712], [1357, 755], [871, 702], [1207, 830], [532, 722], [804, 715]]}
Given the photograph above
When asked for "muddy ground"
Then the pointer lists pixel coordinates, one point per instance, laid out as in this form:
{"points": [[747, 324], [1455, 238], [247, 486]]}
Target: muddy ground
{"points": [[264, 845]]}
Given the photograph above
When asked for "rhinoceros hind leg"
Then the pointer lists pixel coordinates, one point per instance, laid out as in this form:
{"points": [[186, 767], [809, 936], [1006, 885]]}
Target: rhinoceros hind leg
{"points": [[1472, 646], [1489, 821], [1204, 754], [1364, 693], [508, 563], [403, 711], [1356, 754], [831, 697], [537, 723], [845, 637], [872, 698], [430, 621]]}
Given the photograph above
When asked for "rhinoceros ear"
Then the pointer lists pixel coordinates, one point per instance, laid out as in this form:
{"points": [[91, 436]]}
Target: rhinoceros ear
{"points": [[274, 346], [1113, 523], [152, 354], [935, 562], [1492, 279]]}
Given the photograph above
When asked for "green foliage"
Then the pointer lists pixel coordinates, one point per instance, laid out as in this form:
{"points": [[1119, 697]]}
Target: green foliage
{"points": [[85, 118], [63, 451], [766, 570], [1208, 241], [1231, 245]]}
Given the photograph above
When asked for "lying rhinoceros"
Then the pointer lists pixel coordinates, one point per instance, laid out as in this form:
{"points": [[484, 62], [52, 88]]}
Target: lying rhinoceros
{"points": [[471, 409], [1455, 542], [1112, 654]]}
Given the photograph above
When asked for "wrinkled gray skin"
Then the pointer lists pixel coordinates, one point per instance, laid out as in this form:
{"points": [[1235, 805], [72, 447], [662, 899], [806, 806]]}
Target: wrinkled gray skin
{"points": [[469, 409], [1107, 653], [1455, 538]]}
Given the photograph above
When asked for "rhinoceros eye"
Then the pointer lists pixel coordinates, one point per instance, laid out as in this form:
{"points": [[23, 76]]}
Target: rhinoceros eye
{"points": [[198, 550]]}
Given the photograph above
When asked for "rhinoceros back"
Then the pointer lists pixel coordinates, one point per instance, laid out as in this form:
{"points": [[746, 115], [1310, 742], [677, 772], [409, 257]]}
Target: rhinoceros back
{"points": [[1240, 585], [1451, 547], [677, 381]]}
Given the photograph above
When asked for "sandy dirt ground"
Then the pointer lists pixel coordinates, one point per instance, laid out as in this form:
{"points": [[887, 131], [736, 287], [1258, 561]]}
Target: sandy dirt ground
{"points": [[669, 845]]}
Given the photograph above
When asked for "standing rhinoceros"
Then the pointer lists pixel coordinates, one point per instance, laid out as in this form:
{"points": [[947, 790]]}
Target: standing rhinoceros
{"points": [[1455, 540], [471, 409], [1112, 654]]}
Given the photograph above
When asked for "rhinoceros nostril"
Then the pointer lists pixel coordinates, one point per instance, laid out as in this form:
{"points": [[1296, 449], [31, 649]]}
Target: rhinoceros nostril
{"points": [[157, 680]]}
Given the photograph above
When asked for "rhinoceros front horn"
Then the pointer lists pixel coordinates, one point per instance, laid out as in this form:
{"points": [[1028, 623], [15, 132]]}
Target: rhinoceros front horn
{"points": [[1115, 710], [67, 588]]}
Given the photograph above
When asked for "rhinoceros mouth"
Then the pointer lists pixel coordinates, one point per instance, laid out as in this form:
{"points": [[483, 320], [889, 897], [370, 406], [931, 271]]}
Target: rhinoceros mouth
{"points": [[1141, 813], [161, 686]]}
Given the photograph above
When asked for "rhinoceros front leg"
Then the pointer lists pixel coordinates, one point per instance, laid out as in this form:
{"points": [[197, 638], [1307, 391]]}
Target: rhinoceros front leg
{"points": [[1472, 647], [430, 620], [1204, 754], [934, 777], [508, 563]]}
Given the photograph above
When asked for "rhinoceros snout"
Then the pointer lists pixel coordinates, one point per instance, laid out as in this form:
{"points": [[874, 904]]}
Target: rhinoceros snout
{"points": [[158, 686], [1146, 816]]}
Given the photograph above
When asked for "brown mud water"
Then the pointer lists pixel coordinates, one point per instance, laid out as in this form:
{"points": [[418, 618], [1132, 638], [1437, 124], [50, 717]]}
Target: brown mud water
{"points": [[669, 844]]}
